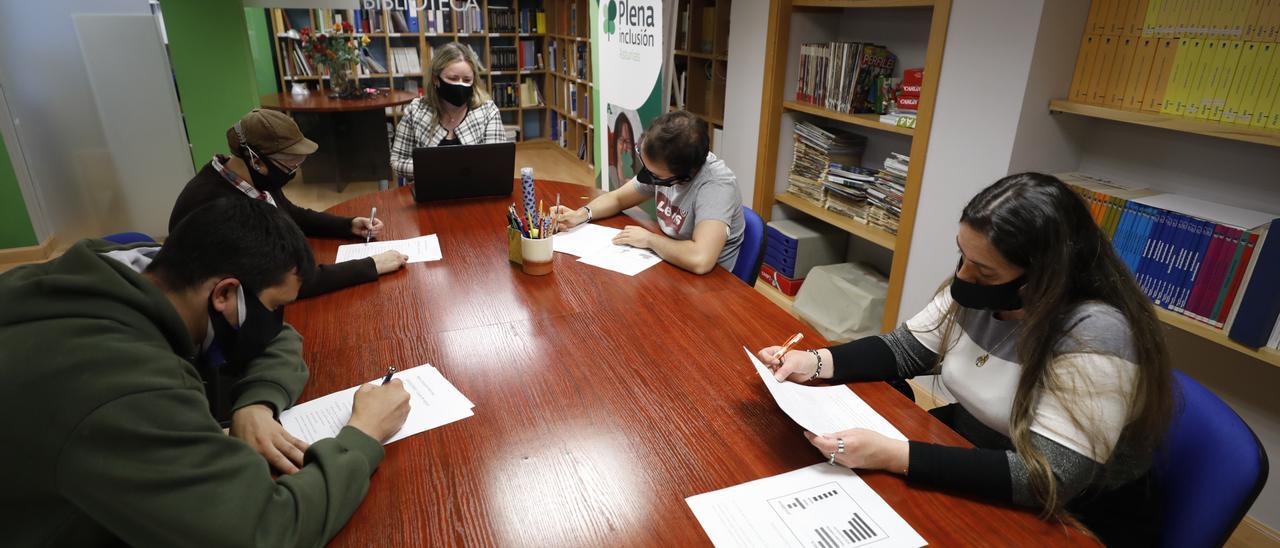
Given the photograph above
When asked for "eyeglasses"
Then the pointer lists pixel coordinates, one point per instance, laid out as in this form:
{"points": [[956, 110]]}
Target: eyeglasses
{"points": [[646, 177]]}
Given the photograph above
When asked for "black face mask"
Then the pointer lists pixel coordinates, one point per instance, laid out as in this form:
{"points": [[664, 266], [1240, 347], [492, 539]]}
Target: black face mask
{"points": [[258, 326], [646, 177], [458, 95], [988, 297], [274, 179]]}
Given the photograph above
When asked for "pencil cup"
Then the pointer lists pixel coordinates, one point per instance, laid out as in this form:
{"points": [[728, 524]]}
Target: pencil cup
{"points": [[513, 245], [536, 255]]}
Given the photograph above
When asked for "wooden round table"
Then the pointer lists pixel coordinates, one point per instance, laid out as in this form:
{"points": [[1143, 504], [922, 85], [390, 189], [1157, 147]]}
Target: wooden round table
{"points": [[352, 134], [602, 400]]}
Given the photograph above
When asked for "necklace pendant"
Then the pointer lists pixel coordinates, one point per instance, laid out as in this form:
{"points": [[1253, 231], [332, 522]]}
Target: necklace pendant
{"points": [[982, 360]]}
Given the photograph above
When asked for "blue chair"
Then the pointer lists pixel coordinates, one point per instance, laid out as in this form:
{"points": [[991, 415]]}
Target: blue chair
{"points": [[751, 254], [126, 238], [1209, 470]]}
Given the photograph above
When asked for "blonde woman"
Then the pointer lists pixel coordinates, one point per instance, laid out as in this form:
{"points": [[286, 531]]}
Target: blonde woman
{"points": [[456, 109]]}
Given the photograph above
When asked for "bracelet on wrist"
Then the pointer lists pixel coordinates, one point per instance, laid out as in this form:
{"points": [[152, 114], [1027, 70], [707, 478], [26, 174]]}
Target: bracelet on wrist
{"points": [[817, 370]]}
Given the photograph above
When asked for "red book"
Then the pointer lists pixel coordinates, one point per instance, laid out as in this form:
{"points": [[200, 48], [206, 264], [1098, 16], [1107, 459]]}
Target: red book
{"points": [[912, 77], [1250, 239], [1211, 270], [906, 102], [912, 90]]}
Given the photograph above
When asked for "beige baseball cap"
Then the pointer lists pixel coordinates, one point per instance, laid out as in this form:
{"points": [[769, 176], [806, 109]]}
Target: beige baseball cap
{"points": [[269, 131]]}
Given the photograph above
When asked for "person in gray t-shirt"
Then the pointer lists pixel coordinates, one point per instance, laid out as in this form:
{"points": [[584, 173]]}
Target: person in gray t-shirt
{"points": [[698, 204]]}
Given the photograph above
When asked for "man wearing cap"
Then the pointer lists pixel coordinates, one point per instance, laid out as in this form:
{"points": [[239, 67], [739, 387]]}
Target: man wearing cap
{"points": [[267, 147]]}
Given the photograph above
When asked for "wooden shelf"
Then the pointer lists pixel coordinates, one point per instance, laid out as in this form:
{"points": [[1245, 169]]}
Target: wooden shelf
{"points": [[1216, 336], [842, 4], [700, 55], [864, 120], [861, 230], [1174, 123]]}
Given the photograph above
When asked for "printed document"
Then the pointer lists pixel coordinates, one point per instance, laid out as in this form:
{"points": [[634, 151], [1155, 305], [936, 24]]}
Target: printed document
{"points": [[820, 505], [420, 249], [823, 409], [433, 401]]}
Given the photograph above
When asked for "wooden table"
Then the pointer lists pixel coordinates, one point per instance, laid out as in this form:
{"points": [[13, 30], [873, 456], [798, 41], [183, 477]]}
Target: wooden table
{"points": [[352, 134], [602, 400]]}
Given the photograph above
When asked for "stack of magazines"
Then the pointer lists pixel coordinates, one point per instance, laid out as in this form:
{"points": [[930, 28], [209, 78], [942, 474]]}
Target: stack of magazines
{"points": [[884, 196], [815, 150], [847, 190]]}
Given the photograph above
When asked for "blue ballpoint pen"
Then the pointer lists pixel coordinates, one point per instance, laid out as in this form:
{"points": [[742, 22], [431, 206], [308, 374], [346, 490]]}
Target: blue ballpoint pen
{"points": [[387, 378]]}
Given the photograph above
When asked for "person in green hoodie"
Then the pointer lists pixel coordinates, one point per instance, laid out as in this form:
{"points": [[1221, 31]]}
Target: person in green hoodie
{"points": [[104, 367]]}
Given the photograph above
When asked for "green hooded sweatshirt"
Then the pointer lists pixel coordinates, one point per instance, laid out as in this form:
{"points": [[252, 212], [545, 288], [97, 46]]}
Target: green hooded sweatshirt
{"points": [[110, 438]]}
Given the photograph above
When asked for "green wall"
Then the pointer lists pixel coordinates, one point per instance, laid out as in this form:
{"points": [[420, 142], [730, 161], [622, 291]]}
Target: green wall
{"points": [[15, 224], [260, 46], [213, 66]]}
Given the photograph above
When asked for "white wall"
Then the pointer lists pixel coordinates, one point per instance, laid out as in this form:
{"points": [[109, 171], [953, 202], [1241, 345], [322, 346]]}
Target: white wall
{"points": [[985, 69], [748, 21], [56, 120]]}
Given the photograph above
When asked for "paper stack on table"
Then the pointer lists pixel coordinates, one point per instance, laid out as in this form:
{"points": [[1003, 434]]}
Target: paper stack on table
{"points": [[593, 245], [823, 409], [420, 249], [433, 402], [819, 505]]}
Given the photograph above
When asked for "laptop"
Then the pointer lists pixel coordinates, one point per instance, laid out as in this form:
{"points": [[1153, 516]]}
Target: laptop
{"points": [[463, 171]]}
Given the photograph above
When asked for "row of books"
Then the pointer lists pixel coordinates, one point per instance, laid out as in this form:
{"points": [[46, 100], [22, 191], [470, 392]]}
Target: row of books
{"points": [[841, 76], [560, 61], [511, 95], [296, 62], [504, 57], [405, 60], [533, 21], [1209, 262], [1225, 81], [501, 19], [1236, 19], [527, 51]]}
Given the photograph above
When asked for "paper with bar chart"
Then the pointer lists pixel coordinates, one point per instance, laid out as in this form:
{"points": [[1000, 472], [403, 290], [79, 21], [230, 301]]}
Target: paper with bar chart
{"points": [[818, 506]]}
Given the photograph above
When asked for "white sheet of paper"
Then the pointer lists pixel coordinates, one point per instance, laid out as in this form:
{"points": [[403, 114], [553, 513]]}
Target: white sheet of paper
{"points": [[433, 402], [823, 409], [819, 505], [420, 249], [622, 258], [583, 239]]}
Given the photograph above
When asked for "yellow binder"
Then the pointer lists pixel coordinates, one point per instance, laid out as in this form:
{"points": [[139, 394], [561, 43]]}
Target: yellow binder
{"points": [[1240, 81], [1226, 76]]}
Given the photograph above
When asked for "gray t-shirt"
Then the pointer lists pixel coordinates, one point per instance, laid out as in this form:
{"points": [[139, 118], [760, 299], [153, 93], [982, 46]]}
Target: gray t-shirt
{"points": [[711, 196]]}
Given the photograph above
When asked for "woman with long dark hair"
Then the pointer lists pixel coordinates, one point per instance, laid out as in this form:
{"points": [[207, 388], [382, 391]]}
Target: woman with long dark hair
{"points": [[1055, 358]]}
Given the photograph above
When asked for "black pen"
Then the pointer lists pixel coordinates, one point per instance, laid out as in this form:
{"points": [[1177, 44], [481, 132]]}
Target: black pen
{"points": [[387, 378]]}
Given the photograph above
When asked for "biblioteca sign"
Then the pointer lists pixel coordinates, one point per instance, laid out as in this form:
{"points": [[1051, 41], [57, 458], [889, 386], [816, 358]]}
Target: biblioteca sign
{"points": [[420, 5]]}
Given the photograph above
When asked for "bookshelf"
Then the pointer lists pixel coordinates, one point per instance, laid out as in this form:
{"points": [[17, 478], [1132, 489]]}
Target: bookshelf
{"points": [[1185, 139], [569, 89], [1172, 123], [915, 31], [701, 59], [500, 32]]}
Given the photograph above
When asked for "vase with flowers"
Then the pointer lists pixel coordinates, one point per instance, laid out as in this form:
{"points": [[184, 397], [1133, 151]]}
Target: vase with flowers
{"points": [[338, 51]]}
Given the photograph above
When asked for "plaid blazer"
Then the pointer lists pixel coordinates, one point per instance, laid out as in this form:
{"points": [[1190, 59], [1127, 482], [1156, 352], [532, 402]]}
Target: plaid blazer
{"points": [[481, 125]]}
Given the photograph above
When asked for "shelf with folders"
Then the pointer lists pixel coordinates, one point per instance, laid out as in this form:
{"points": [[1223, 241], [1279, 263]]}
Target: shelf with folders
{"points": [[1174, 81], [836, 162], [568, 87], [402, 40]]}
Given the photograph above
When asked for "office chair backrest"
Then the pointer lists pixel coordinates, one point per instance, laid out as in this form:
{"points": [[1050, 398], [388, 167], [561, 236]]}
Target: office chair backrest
{"points": [[126, 238], [1209, 470], [751, 253]]}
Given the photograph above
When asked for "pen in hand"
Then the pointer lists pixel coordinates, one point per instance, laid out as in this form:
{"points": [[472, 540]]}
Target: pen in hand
{"points": [[373, 214], [786, 347], [387, 379]]}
